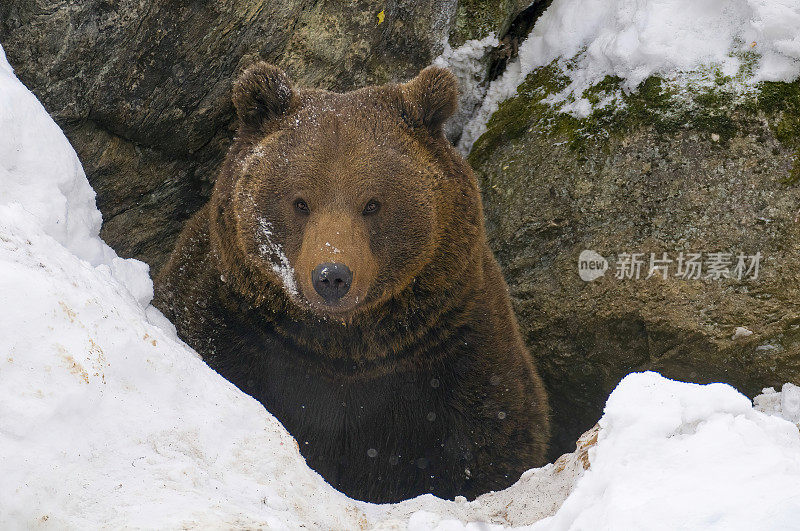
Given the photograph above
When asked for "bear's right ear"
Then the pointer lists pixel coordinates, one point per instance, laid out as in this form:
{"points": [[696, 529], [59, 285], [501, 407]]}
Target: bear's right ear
{"points": [[430, 98], [262, 93]]}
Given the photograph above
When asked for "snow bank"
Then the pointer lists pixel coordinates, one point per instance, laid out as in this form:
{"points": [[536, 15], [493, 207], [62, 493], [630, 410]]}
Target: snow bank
{"points": [[672, 455], [634, 40], [107, 419]]}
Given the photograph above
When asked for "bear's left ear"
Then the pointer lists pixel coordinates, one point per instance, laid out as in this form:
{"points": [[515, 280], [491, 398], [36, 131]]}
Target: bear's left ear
{"points": [[261, 93], [430, 98]]}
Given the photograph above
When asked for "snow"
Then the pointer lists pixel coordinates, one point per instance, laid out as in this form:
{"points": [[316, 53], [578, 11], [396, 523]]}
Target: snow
{"points": [[672, 455], [784, 403], [635, 39], [274, 254], [469, 63], [108, 419]]}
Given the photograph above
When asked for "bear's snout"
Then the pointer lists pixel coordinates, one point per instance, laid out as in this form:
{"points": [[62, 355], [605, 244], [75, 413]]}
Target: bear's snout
{"points": [[332, 281], [335, 266]]}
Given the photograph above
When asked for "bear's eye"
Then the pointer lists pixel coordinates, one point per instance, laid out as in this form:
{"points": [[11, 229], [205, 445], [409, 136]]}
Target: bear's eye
{"points": [[301, 206], [372, 207]]}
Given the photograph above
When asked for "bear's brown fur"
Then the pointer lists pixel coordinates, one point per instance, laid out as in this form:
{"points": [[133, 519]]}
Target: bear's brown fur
{"points": [[412, 377]]}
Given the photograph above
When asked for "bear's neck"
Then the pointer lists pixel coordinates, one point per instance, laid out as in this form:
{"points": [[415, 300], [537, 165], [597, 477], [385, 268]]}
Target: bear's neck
{"points": [[417, 323]]}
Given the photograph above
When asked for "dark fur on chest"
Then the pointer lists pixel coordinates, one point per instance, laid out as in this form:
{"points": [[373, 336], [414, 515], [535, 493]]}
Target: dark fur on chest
{"points": [[405, 423]]}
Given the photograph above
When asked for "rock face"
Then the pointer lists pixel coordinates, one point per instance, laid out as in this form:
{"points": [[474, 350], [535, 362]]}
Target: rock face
{"points": [[717, 173], [475, 19], [142, 88]]}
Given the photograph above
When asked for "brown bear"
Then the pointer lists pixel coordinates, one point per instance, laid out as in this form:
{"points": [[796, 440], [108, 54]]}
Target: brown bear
{"points": [[340, 275]]}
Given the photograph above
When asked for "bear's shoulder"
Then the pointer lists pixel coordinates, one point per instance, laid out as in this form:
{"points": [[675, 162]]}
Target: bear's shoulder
{"points": [[186, 277]]}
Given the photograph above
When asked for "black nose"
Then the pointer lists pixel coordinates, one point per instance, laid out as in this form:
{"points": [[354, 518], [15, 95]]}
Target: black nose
{"points": [[331, 281]]}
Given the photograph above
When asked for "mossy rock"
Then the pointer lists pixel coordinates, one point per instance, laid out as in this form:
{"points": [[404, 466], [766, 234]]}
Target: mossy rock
{"points": [[654, 173]]}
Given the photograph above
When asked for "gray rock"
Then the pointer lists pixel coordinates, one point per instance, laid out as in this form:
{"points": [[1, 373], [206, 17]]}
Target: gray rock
{"points": [[475, 19], [715, 174]]}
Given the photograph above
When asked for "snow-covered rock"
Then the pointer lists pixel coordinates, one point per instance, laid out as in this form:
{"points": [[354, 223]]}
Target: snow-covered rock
{"points": [[700, 158], [470, 63], [633, 40]]}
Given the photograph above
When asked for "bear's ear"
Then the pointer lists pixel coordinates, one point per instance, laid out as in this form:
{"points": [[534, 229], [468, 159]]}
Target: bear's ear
{"points": [[430, 98], [261, 93]]}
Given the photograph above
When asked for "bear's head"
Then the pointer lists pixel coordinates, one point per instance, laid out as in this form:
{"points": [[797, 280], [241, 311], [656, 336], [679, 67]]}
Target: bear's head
{"points": [[340, 200]]}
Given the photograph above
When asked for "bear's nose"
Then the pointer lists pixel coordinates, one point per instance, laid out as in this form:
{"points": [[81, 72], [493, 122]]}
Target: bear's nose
{"points": [[331, 281]]}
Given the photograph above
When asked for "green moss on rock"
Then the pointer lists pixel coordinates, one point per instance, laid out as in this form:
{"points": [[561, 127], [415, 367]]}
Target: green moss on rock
{"points": [[716, 110], [781, 102], [515, 116], [794, 173]]}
